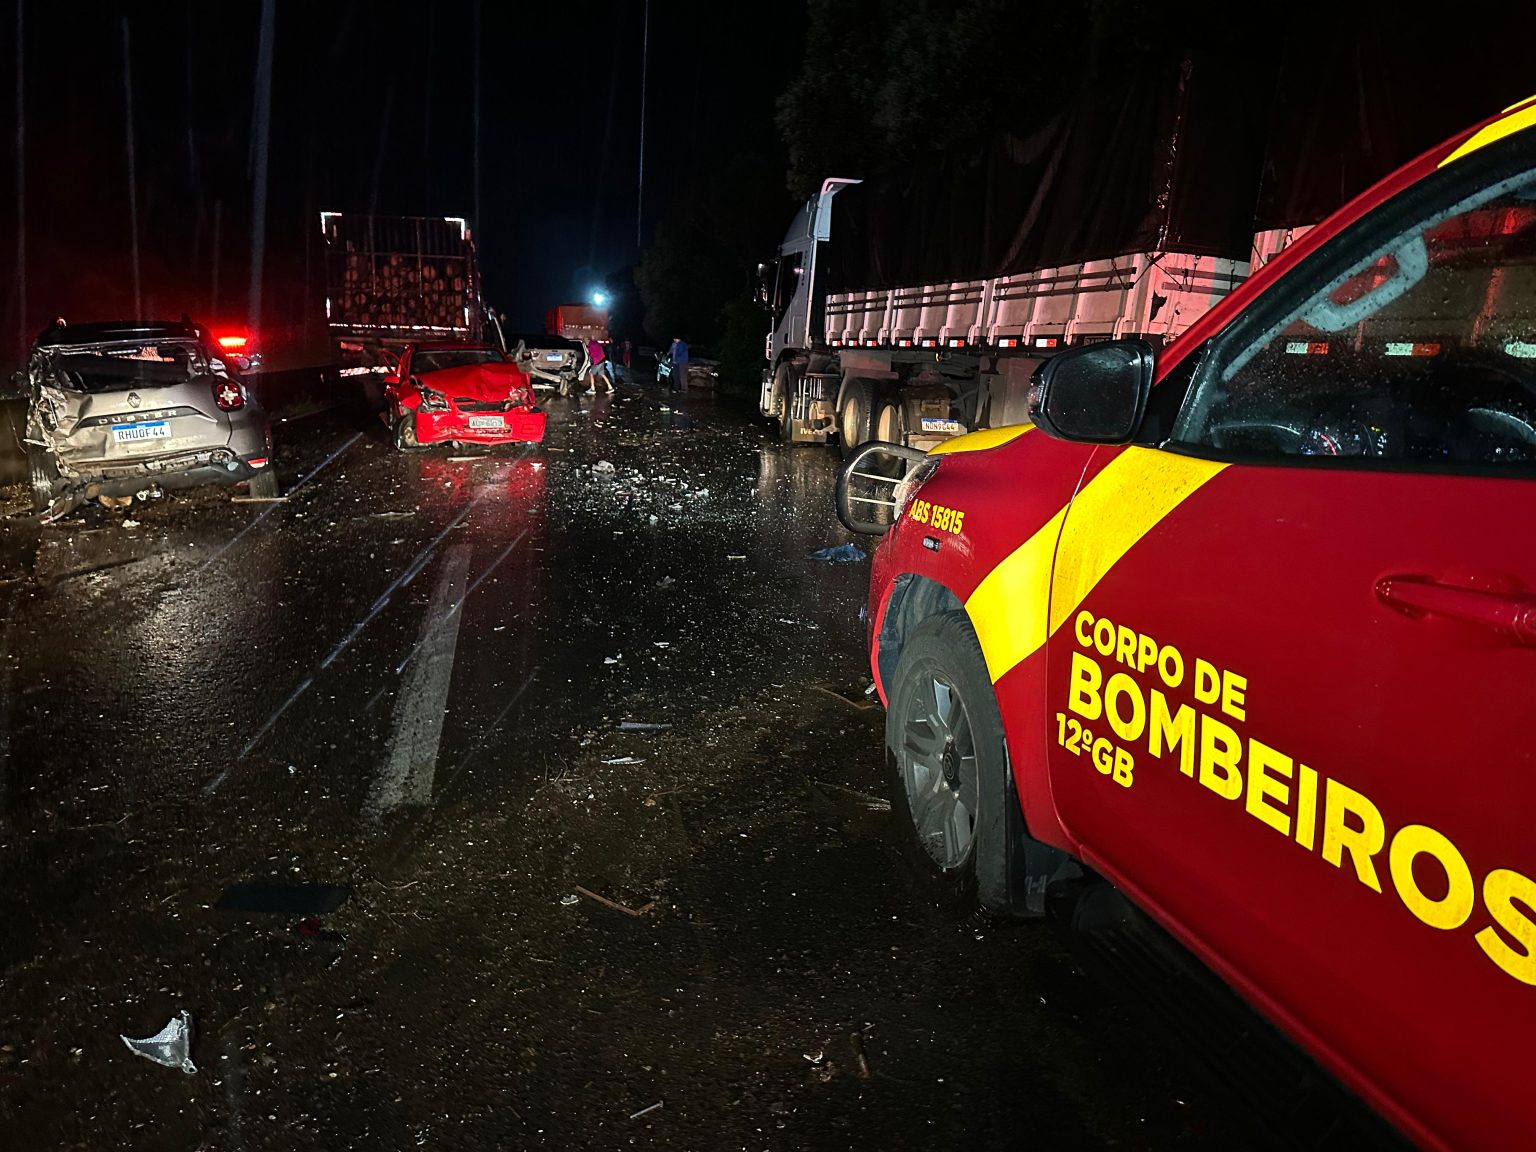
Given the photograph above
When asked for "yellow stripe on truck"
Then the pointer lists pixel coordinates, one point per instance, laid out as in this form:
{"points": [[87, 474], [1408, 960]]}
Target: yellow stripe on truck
{"points": [[1019, 603], [1118, 507], [980, 441], [1009, 608], [1516, 118]]}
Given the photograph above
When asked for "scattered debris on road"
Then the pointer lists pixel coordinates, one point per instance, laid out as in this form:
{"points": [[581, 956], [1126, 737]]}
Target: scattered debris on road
{"points": [[171, 1046], [842, 554], [641, 726], [283, 899], [615, 905]]}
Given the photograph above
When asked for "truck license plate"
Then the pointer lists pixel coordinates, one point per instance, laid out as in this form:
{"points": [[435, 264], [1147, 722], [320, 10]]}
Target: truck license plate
{"points": [[935, 424], [134, 433], [487, 422]]}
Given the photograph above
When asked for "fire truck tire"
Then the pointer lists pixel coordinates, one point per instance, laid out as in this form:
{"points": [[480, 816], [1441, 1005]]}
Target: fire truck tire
{"points": [[263, 484], [856, 415], [949, 762], [890, 419]]}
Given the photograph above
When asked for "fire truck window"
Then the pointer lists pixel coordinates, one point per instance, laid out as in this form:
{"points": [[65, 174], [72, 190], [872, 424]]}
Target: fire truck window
{"points": [[1419, 349]]}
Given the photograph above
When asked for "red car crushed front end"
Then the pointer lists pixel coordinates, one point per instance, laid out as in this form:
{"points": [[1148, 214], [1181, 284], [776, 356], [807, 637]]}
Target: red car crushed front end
{"points": [[491, 402]]}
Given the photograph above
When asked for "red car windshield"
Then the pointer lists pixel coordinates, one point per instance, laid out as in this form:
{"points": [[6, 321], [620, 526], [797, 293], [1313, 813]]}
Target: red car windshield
{"points": [[439, 358]]}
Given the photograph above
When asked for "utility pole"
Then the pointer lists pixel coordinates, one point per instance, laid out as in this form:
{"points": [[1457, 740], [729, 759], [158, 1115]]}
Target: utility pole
{"points": [[476, 50], [645, 62], [262, 115], [21, 193], [133, 190]]}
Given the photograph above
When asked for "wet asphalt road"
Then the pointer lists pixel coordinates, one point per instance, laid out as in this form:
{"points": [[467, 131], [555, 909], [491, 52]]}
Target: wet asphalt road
{"points": [[407, 679]]}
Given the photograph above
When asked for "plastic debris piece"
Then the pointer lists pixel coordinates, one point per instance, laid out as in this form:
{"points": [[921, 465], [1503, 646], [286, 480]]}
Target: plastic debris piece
{"points": [[625, 760], [130, 523], [735, 557], [663, 643], [641, 726], [602, 466], [570, 899], [665, 582], [312, 928], [613, 659], [799, 623], [842, 554], [171, 1046], [674, 507]]}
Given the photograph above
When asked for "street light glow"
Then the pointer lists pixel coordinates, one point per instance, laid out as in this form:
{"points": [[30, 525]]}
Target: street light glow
{"points": [[600, 298]]}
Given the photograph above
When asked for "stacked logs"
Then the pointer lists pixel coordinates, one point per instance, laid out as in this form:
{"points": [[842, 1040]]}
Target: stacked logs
{"points": [[400, 290]]}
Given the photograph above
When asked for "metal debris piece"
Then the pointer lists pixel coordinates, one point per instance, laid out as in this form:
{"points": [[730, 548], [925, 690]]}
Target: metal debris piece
{"points": [[171, 1046], [625, 760], [570, 899], [645, 1111], [615, 905], [735, 557], [641, 726]]}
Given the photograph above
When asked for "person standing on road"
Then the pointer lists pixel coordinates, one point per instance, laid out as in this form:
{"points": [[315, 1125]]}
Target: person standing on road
{"points": [[679, 356], [598, 368]]}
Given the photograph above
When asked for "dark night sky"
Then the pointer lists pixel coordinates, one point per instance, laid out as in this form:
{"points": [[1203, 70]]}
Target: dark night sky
{"points": [[372, 108]]}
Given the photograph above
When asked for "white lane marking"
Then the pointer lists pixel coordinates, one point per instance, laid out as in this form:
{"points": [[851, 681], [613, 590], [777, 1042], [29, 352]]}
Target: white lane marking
{"points": [[410, 761], [468, 592]]}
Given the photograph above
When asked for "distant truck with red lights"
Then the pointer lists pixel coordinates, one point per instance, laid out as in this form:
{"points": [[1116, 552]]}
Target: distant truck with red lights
{"points": [[578, 322], [395, 280]]}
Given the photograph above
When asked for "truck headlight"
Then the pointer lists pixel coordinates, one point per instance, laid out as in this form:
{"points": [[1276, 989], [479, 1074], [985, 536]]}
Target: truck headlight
{"points": [[918, 475]]}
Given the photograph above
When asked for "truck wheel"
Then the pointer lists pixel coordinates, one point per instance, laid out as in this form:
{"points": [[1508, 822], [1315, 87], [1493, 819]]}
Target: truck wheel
{"points": [[890, 423], [784, 384], [855, 418], [41, 472], [944, 741], [405, 432], [264, 483]]}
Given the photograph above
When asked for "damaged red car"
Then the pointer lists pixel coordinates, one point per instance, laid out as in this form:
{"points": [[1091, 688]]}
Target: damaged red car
{"points": [[456, 392]]}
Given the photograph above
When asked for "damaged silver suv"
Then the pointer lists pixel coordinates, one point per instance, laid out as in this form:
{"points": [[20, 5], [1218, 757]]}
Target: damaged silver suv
{"points": [[119, 407]]}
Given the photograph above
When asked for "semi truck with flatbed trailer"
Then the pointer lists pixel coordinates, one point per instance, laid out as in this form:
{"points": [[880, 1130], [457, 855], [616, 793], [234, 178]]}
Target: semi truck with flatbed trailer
{"points": [[915, 308]]}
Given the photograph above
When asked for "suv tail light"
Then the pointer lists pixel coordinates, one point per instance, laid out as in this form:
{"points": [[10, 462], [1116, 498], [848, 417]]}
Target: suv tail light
{"points": [[228, 395]]}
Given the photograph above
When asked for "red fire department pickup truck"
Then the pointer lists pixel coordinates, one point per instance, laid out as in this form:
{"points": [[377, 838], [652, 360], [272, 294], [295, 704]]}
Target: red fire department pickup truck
{"points": [[1247, 626]]}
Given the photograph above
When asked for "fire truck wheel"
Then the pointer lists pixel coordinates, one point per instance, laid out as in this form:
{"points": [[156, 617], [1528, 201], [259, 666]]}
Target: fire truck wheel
{"points": [[944, 743], [855, 416]]}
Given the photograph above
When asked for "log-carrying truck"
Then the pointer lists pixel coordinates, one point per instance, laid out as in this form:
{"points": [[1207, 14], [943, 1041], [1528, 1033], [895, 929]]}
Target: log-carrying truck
{"points": [[915, 308]]}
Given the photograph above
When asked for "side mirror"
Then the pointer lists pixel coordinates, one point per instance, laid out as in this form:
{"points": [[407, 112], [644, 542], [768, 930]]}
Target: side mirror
{"points": [[1095, 394]]}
